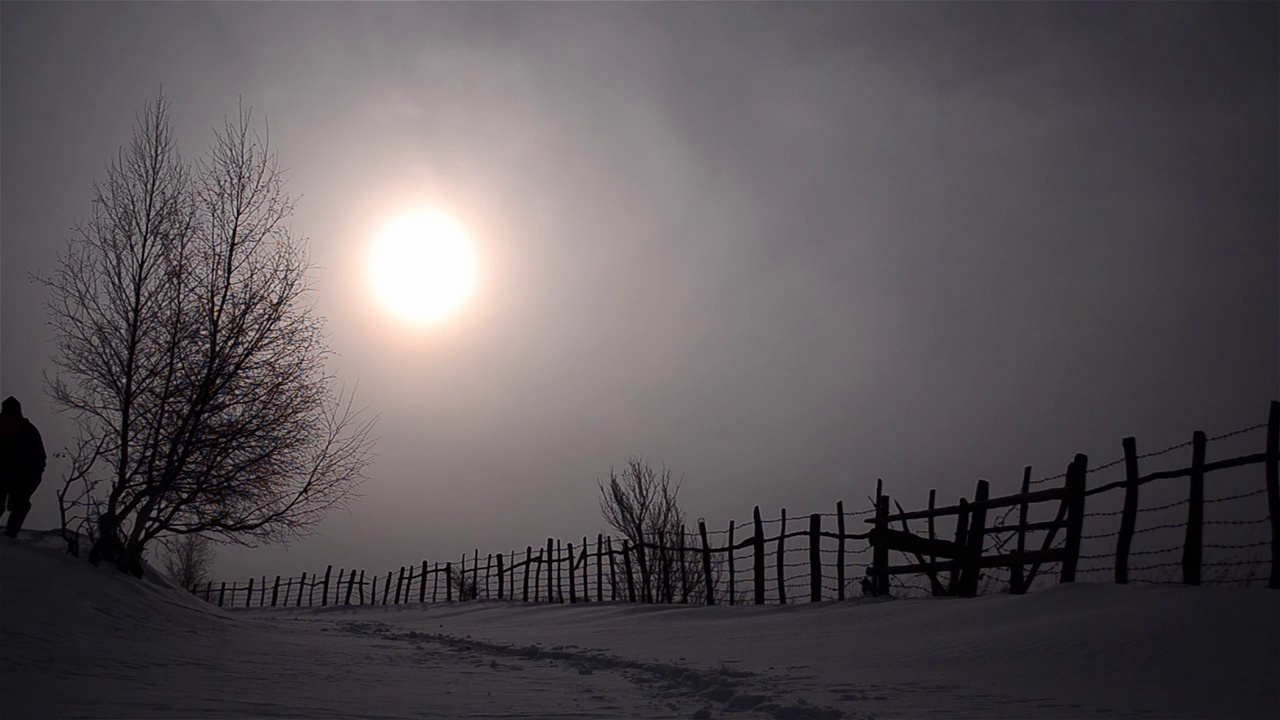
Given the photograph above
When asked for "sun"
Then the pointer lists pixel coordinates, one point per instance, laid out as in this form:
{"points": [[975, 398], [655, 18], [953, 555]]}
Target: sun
{"points": [[423, 267]]}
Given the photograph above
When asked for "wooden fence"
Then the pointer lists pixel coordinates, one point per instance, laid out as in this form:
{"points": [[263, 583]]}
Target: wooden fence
{"points": [[692, 567]]}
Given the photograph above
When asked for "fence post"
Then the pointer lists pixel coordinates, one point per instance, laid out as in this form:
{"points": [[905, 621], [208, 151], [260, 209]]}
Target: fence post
{"points": [[613, 574], [1129, 515], [488, 572], [935, 587], [386, 588], [1193, 548], [302, 584], [815, 557], [551, 568], [462, 578], [665, 592], [448, 582], [973, 548], [528, 563], [208, 592], [1273, 490], [759, 557], [733, 581], [879, 548], [275, 591], [501, 579], [1077, 474], [600, 567], [324, 599], [361, 584], [262, 593], [399, 585], [684, 569], [962, 532], [626, 562], [641, 553], [1016, 575], [248, 600], [222, 593], [840, 550], [586, 565], [708, 582], [573, 579]]}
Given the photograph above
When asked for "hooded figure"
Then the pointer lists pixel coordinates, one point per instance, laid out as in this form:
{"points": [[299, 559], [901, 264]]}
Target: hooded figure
{"points": [[22, 462]]}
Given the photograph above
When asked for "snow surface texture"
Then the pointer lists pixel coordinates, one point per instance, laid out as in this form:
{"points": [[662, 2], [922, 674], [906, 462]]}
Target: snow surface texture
{"points": [[76, 641]]}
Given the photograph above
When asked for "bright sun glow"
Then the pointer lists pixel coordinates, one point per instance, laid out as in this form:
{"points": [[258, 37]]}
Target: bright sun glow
{"points": [[423, 267]]}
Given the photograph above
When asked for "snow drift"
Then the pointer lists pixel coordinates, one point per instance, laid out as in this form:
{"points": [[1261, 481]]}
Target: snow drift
{"points": [[78, 641]]}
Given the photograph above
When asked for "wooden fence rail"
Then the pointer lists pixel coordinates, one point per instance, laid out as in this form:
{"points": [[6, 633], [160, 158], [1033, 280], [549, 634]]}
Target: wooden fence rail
{"points": [[691, 567]]}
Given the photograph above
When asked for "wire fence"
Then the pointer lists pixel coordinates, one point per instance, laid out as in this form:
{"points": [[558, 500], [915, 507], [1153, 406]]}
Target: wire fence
{"points": [[1037, 535]]}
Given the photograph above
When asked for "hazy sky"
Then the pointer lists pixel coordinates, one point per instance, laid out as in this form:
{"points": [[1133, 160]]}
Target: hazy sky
{"points": [[784, 248]]}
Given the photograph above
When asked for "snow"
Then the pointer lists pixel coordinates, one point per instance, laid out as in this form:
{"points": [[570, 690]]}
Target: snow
{"points": [[78, 641]]}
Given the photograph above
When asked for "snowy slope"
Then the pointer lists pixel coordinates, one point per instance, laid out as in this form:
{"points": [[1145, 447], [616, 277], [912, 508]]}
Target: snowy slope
{"points": [[76, 641]]}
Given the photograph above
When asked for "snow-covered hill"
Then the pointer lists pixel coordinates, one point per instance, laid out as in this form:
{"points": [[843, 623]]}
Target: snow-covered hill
{"points": [[76, 641]]}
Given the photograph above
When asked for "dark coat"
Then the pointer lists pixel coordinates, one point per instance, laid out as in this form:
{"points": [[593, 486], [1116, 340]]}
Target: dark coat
{"points": [[22, 457]]}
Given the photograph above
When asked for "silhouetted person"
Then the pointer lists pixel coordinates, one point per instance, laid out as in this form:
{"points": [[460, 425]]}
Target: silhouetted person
{"points": [[22, 461]]}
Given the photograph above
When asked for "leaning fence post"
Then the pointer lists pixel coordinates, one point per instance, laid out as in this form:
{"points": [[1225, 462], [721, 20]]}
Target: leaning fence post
{"points": [[626, 562], [1273, 490], [422, 584], [962, 532], [248, 600], [301, 584], [706, 563], [1129, 515], [324, 599], [1192, 548], [573, 579], [528, 563], [1077, 474], [1016, 580], [815, 557], [275, 591], [222, 593], [880, 546], [501, 579], [977, 535], [399, 585]]}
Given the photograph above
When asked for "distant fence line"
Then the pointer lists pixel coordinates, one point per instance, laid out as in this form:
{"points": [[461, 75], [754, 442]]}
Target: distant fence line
{"points": [[690, 569]]}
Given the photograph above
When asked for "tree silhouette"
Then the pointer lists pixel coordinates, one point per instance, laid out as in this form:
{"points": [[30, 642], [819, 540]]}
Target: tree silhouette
{"points": [[190, 355]]}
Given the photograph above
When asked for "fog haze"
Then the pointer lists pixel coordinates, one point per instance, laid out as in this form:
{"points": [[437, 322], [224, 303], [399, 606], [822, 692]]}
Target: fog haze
{"points": [[784, 249]]}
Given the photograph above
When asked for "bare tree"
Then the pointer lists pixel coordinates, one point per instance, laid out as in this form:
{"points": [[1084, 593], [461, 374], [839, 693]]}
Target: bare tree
{"points": [[642, 505], [190, 355], [187, 559]]}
